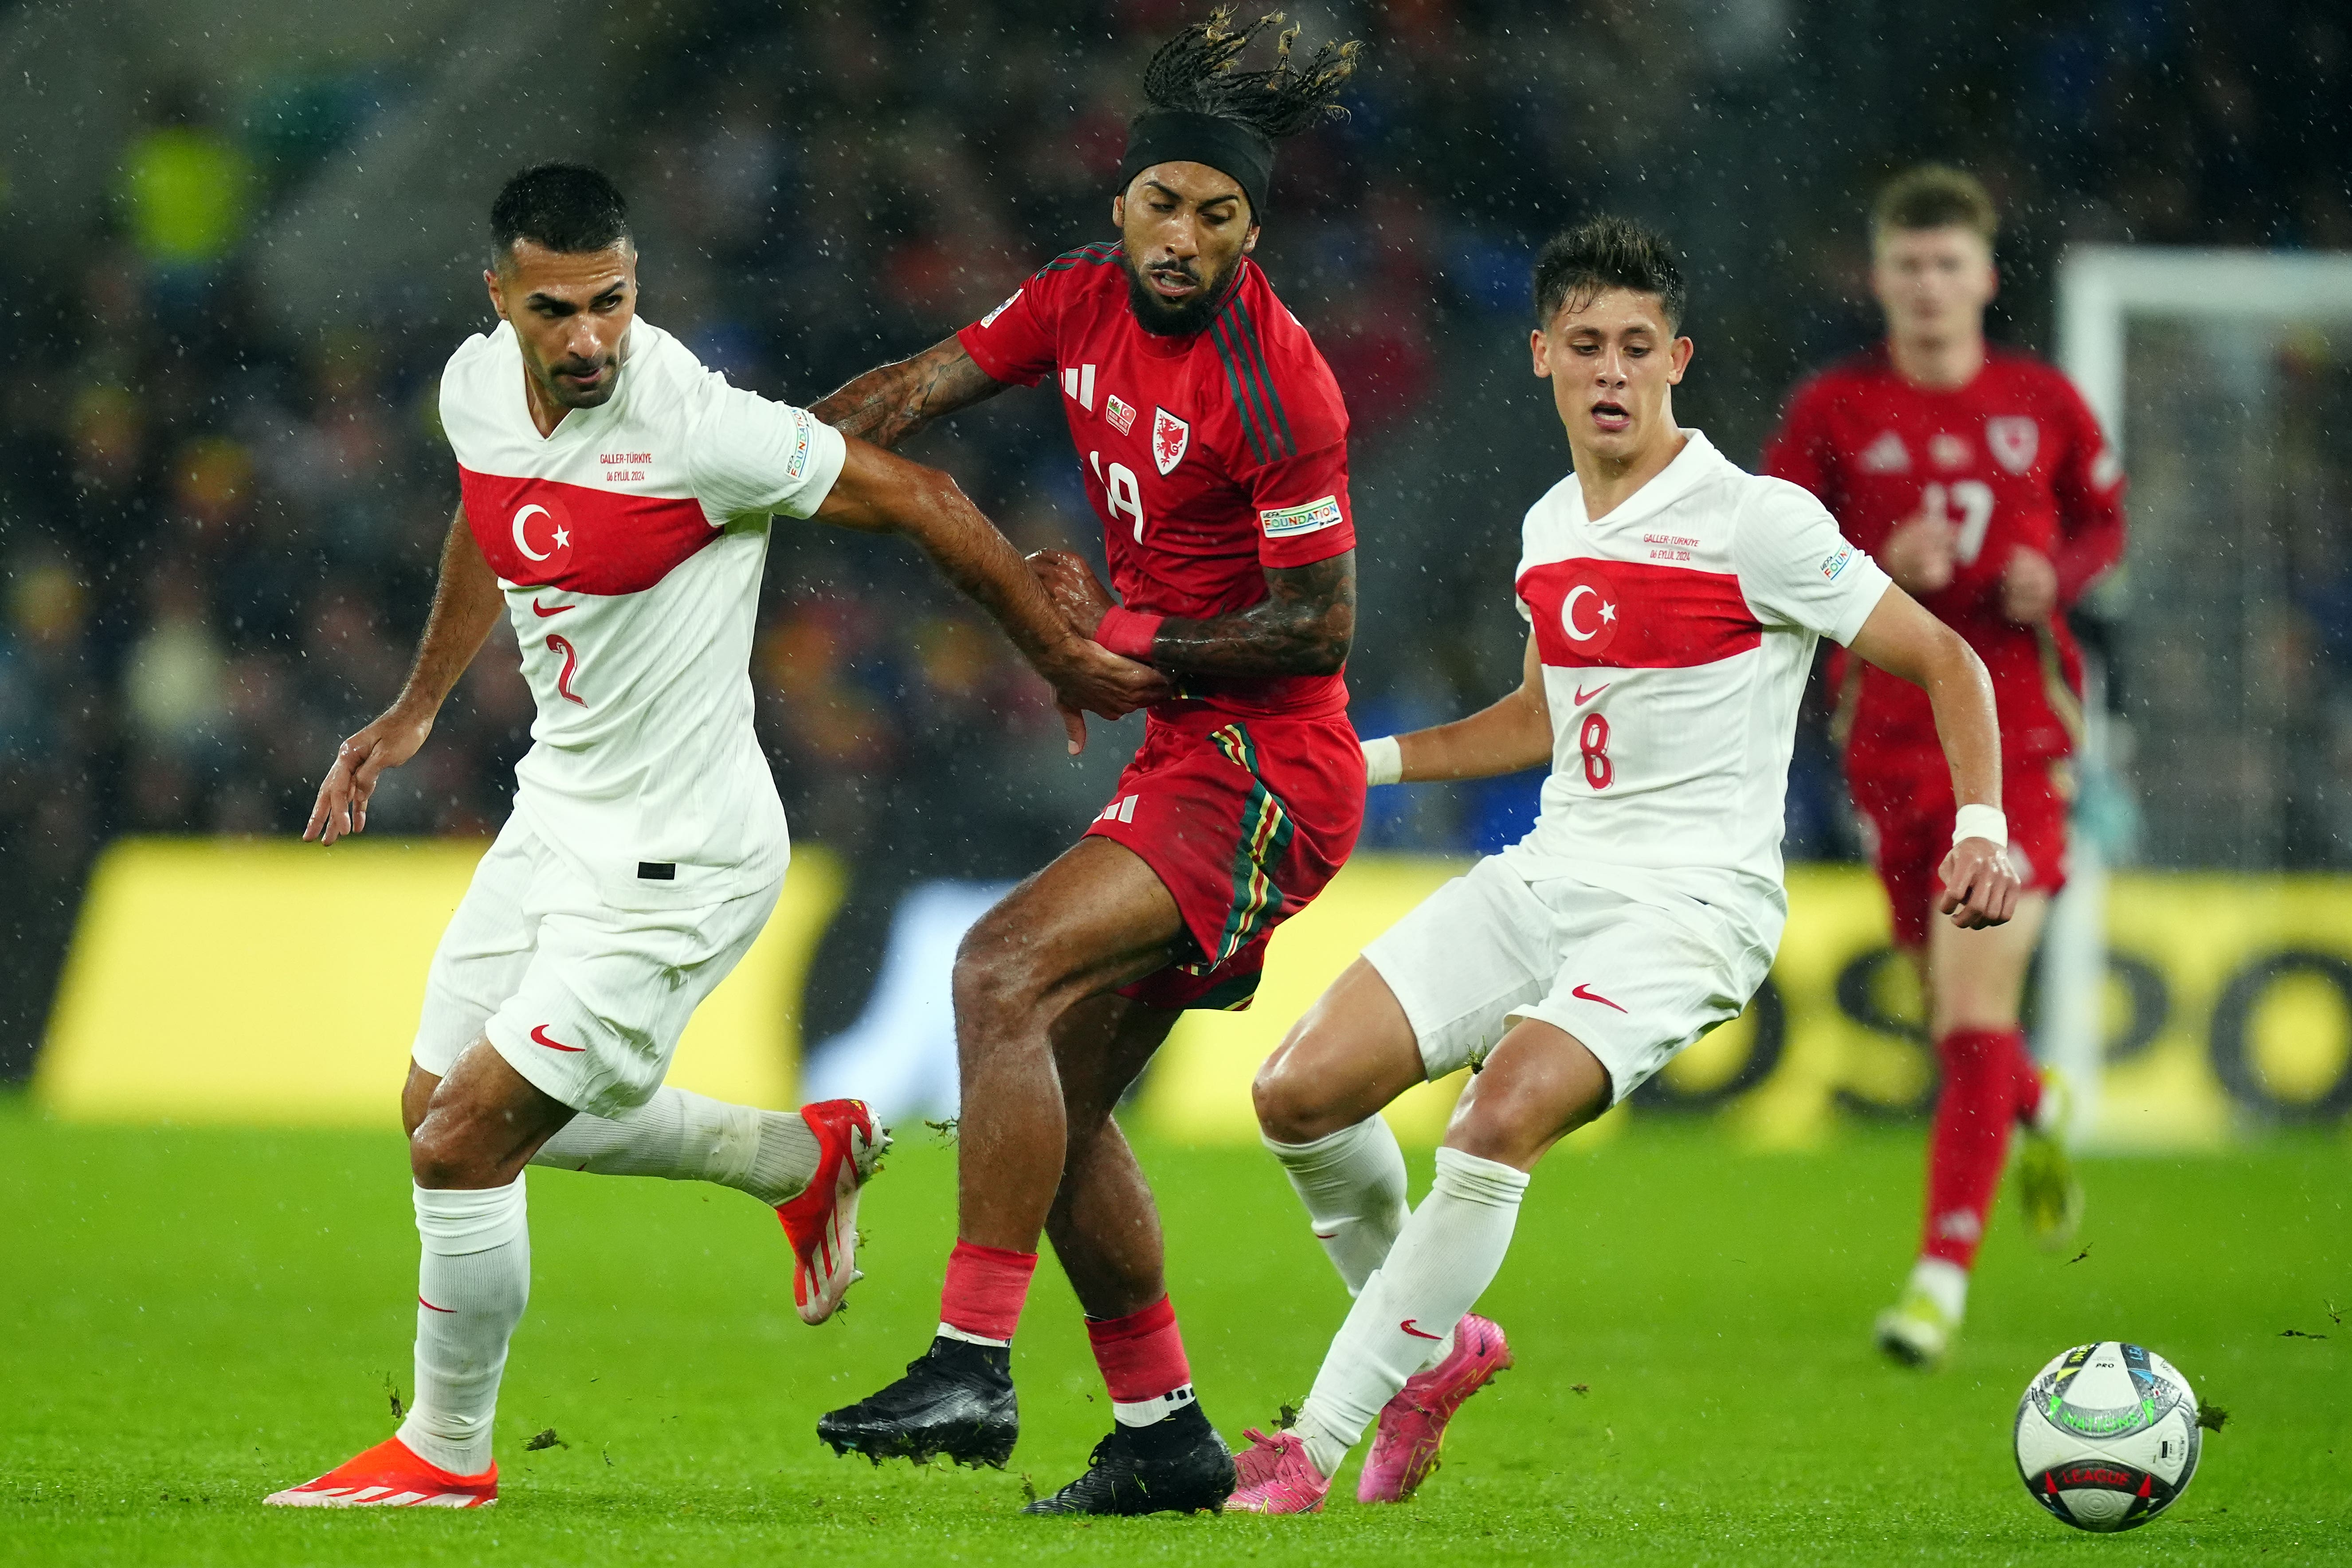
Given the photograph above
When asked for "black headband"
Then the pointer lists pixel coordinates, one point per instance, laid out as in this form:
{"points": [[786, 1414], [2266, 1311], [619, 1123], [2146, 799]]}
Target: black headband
{"points": [[1187, 136]]}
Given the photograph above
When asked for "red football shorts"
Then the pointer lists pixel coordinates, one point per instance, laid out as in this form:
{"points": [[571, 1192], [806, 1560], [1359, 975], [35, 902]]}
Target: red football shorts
{"points": [[1906, 798], [1245, 820]]}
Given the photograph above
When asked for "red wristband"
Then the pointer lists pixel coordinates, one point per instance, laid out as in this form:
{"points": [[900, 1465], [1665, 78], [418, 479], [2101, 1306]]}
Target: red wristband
{"points": [[1127, 634]]}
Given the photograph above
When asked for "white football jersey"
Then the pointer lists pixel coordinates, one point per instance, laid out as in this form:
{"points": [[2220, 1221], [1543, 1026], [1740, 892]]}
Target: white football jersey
{"points": [[630, 544], [1676, 633]]}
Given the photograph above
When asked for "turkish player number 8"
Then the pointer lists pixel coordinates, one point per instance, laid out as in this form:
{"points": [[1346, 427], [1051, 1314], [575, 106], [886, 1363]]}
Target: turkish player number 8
{"points": [[1592, 739], [1973, 499]]}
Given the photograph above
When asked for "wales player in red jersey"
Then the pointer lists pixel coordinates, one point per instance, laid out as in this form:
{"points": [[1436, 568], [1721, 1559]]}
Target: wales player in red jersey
{"points": [[1981, 481], [1213, 446]]}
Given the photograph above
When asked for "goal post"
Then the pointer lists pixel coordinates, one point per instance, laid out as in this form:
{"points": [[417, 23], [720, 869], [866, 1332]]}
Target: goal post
{"points": [[2186, 356]]}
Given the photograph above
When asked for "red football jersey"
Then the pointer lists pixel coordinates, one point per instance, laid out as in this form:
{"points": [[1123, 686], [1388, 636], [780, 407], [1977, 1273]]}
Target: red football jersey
{"points": [[2014, 458], [1208, 457]]}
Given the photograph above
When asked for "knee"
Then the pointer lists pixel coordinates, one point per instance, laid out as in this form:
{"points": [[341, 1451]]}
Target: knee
{"points": [[997, 973], [440, 1155], [1292, 1106], [415, 1098], [1512, 1119], [1502, 1133], [1966, 991]]}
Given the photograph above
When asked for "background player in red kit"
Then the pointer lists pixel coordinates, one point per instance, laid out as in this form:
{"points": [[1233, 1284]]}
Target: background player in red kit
{"points": [[1981, 481], [1214, 448]]}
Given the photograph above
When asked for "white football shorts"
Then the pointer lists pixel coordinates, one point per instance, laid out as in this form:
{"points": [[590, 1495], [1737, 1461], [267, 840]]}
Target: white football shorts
{"points": [[585, 1000], [1632, 982]]}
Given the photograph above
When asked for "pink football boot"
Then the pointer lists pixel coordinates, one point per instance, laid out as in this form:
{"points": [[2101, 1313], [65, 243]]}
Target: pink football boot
{"points": [[821, 1222], [1274, 1476], [1413, 1424]]}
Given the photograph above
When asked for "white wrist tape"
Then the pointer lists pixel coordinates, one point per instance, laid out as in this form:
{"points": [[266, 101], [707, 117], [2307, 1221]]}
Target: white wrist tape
{"points": [[1383, 761], [1980, 822]]}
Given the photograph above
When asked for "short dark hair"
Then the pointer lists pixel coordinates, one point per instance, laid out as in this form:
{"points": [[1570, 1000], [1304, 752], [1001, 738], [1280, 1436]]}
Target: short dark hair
{"points": [[1935, 196], [1607, 253], [568, 207]]}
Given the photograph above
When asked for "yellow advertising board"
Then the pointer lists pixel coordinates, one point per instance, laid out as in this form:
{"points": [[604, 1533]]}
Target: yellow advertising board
{"points": [[217, 980], [2229, 1005], [214, 981]]}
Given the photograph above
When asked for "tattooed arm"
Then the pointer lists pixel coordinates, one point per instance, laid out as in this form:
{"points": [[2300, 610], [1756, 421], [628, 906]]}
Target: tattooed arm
{"points": [[891, 402], [1304, 625]]}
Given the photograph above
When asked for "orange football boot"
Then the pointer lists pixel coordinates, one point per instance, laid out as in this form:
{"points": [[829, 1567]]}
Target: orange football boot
{"points": [[821, 1222], [390, 1475]]}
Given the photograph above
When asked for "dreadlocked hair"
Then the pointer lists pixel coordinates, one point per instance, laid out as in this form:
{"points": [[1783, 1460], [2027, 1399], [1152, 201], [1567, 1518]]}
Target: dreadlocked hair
{"points": [[1194, 70]]}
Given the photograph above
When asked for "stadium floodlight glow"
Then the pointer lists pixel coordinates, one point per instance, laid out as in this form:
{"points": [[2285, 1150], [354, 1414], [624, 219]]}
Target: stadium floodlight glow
{"points": [[2179, 351]]}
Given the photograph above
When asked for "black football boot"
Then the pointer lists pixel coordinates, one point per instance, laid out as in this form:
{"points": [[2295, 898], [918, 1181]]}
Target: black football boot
{"points": [[1176, 1464], [957, 1400]]}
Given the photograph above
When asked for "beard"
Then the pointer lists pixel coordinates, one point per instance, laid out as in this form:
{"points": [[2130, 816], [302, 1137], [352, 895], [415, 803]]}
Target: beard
{"points": [[570, 395], [1176, 318]]}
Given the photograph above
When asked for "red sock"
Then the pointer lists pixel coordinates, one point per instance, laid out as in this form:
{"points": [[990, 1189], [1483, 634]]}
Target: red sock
{"points": [[985, 1289], [1989, 1082], [2029, 1080], [1141, 1355]]}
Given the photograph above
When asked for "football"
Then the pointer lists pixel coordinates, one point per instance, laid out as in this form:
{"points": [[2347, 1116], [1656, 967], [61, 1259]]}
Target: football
{"points": [[2107, 1435]]}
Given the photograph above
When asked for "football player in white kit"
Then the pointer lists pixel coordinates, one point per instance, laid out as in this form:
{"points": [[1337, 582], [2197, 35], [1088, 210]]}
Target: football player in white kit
{"points": [[616, 503], [1675, 602]]}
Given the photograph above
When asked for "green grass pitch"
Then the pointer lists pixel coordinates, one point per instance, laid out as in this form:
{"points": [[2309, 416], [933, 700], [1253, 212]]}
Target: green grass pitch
{"points": [[192, 1317]]}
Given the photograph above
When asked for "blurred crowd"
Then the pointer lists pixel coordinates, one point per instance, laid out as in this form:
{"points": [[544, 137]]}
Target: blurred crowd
{"points": [[218, 534]]}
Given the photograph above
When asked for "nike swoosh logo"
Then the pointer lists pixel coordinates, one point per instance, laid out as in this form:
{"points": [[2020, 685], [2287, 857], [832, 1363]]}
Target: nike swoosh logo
{"points": [[1407, 1326], [431, 1308], [1325, 1234], [538, 1034], [1583, 994], [543, 613], [1583, 696]]}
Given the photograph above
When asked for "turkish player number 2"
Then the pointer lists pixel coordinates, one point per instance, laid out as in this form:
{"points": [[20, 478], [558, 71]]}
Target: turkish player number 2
{"points": [[1965, 506]]}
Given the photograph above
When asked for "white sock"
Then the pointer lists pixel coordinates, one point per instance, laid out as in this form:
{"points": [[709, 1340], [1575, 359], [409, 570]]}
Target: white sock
{"points": [[1944, 1282], [1352, 1183], [950, 1331], [471, 1286], [1448, 1254], [682, 1136]]}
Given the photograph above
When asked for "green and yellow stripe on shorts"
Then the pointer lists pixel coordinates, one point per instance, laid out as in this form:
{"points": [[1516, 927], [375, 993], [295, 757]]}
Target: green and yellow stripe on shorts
{"points": [[1264, 838]]}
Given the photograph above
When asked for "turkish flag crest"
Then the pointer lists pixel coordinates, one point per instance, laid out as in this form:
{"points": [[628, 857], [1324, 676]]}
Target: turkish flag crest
{"points": [[543, 535], [1170, 436], [1589, 610]]}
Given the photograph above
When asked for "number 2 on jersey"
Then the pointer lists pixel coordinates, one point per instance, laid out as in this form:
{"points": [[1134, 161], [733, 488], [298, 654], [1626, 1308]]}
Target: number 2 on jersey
{"points": [[1974, 499], [570, 662], [1120, 491]]}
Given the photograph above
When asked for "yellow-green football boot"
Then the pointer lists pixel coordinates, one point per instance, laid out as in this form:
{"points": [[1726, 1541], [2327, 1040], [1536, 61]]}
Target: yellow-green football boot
{"points": [[2049, 1193], [1917, 1330]]}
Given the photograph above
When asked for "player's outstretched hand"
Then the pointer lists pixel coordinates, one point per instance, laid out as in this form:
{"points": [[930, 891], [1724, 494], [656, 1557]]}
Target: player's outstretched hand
{"points": [[1920, 554], [1073, 586], [2029, 586], [1979, 885], [1087, 678], [341, 807]]}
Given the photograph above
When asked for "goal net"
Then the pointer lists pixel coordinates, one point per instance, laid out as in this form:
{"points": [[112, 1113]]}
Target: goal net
{"points": [[2220, 724]]}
